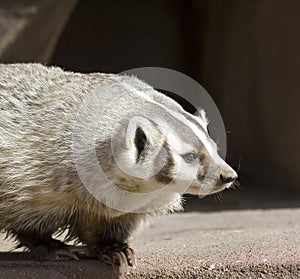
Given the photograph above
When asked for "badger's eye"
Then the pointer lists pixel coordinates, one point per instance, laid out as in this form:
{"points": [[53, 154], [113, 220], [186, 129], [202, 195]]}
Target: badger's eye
{"points": [[190, 157]]}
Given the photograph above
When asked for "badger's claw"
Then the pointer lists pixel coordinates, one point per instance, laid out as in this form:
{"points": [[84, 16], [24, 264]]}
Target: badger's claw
{"points": [[120, 255], [130, 256]]}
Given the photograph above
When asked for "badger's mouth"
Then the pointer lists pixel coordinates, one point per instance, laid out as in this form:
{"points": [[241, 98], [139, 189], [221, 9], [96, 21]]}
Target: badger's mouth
{"points": [[207, 190]]}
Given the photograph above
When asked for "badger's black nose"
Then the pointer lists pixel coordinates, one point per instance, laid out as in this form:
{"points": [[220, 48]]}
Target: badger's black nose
{"points": [[226, 179]]}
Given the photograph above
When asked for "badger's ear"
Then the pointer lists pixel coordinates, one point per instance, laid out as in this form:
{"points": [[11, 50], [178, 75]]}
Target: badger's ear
{"points": [[140, 142], [139, 135]]}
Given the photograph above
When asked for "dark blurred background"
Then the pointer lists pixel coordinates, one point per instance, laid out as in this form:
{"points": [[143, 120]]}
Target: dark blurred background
{"points": [[246, 54]]}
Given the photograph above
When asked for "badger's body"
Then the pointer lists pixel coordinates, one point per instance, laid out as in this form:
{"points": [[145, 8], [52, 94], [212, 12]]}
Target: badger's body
{"points": [[54, 124]]}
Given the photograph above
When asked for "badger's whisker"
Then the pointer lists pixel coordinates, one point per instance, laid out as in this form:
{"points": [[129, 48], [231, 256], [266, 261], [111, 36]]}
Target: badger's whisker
{"points": [[239, 165]]}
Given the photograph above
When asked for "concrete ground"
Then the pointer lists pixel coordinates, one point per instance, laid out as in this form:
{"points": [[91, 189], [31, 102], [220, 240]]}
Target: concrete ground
{"points": [[231, 244]]}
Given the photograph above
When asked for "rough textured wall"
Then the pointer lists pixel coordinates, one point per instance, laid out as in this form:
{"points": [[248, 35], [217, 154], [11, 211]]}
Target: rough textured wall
{"points": [[29, 29]]}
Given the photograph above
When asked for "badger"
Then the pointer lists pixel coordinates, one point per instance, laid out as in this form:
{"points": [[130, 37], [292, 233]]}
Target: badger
{"points": [[96, 155]]}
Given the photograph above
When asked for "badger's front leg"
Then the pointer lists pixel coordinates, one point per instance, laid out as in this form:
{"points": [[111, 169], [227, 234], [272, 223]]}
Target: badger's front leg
{"points": [[107, 239]]}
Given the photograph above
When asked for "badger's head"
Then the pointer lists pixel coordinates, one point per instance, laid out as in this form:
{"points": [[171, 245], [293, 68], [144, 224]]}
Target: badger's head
{"points": [[173, 152]]}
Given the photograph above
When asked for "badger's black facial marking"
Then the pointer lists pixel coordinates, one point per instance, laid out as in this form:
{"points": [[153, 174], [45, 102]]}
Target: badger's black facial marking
{"points": [[204, 161], [200, 176], [165, 174], [140, 141]]}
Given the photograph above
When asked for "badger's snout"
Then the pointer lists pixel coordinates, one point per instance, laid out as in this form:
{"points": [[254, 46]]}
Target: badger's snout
{"points": [[227, 175], [226, 179]]}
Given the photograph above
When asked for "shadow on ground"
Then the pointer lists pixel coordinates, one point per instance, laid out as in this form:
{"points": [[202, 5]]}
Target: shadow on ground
{"points": [[16, 265]]}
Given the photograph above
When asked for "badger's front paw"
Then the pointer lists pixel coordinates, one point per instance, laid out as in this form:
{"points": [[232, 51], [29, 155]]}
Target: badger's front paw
{"points": [[118, 254]]}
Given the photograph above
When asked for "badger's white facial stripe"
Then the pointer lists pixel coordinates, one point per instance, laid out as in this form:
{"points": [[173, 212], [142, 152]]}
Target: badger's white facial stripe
{"points": [[198, 132]]}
